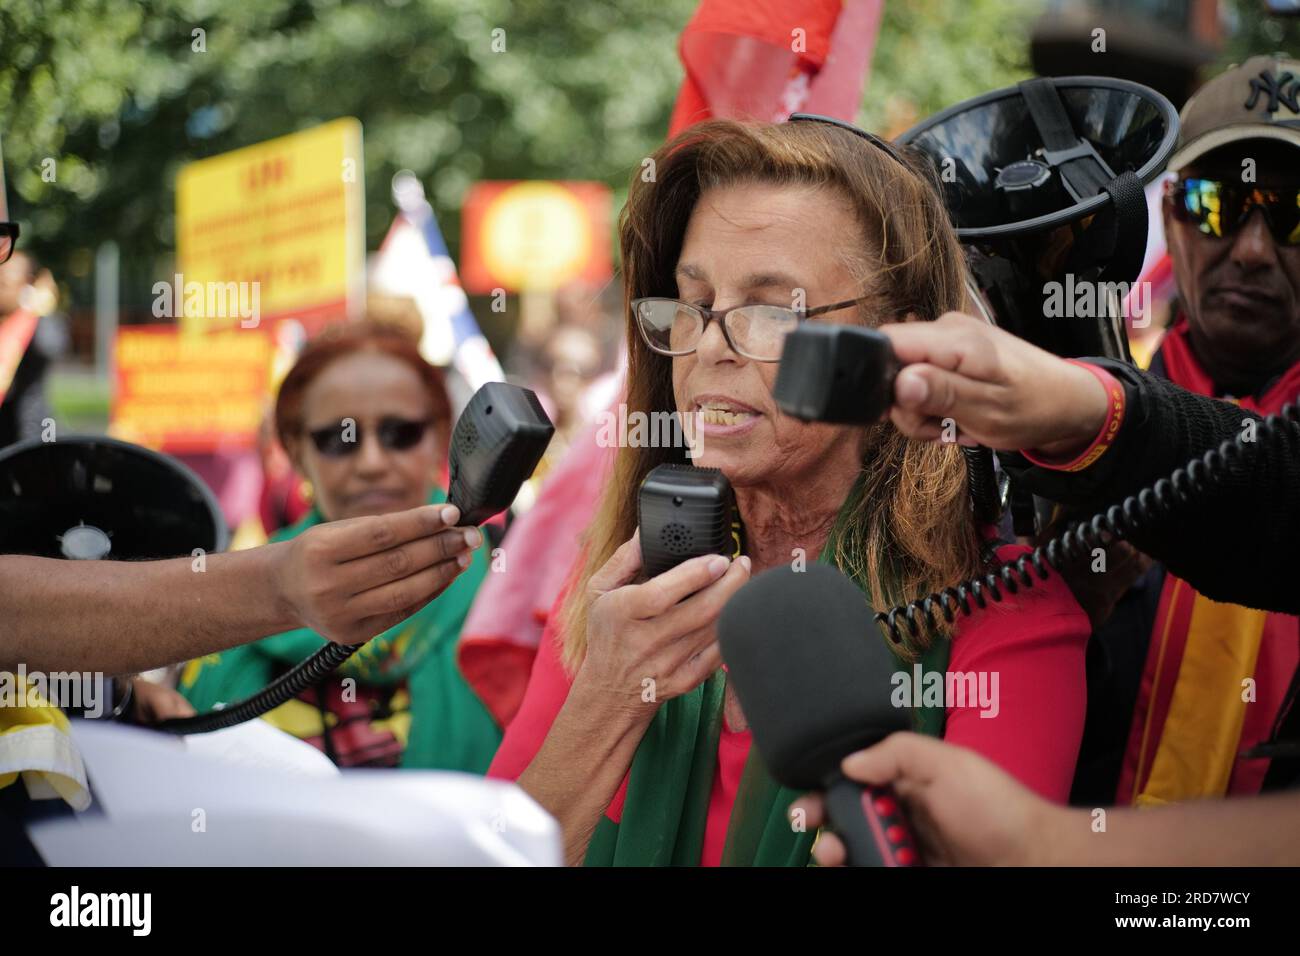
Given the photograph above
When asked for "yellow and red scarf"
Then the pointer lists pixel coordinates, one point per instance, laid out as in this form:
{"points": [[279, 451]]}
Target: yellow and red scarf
{"points": [[1215, 673]]}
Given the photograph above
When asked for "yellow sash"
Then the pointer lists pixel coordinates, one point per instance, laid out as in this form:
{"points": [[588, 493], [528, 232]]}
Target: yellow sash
{"points": [[1202, 730]]}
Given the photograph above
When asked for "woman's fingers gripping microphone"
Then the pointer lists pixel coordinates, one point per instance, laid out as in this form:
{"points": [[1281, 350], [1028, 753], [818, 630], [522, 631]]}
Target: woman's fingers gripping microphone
{"points": [[661, 594], [620, 569]]}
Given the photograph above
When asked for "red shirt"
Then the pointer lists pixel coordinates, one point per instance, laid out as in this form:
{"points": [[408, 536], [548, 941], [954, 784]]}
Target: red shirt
{"points": [[1034, 642]]}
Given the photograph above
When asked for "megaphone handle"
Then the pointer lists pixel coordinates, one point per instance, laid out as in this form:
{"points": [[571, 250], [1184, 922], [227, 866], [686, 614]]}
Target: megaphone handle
{"points": [[1128, 201], [870, 821]]}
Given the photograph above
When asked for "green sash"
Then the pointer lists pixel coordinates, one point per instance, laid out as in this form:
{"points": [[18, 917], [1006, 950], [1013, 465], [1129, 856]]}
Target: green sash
{"points": [[450, 729], [671, 779]]}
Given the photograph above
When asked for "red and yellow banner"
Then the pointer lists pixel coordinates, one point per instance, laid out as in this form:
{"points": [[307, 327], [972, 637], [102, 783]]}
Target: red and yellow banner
{"points": [[535, 234], [190, 393]]}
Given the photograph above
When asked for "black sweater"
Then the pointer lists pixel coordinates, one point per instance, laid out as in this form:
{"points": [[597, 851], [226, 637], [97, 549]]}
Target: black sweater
{"points": [[1234, 542]]}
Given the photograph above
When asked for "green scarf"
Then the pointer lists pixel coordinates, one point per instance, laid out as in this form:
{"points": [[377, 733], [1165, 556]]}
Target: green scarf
{"points": [[671, 780], [450, 729]]}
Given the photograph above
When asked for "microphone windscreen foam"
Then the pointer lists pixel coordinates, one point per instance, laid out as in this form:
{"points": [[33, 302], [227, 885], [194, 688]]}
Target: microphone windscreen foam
{"points": [[811, 670]]}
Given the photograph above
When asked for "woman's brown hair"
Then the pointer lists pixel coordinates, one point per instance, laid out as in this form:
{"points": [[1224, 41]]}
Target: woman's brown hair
{"points": [[907, 528], [344, 339]]}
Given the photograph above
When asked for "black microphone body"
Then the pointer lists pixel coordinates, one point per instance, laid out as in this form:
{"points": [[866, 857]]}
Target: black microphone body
{"points": [[836, 373], [496, 444], [813, 675], [683, 512]]}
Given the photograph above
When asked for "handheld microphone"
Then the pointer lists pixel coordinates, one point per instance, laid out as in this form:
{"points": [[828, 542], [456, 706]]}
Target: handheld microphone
{"points": [[497, 442], [683, 512], [836, 373], [813, 677]]}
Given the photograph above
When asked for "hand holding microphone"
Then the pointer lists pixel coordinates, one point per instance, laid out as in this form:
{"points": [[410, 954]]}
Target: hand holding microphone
{"points": [[964, 810], [654, 603], [662, 628], [351, 579], [997, 389], [1000, 390]]}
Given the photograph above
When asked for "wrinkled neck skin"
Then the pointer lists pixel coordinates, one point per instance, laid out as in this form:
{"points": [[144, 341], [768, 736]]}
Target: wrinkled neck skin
{"points": [[797, 511], [779, 521]]}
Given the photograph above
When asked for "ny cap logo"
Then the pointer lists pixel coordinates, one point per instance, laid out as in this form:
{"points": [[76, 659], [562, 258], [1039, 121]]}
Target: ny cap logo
{"points": [[1284, 91]]}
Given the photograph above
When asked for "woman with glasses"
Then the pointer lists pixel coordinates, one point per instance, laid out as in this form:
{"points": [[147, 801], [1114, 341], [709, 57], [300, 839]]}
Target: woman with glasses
{"points": [[628, 733], [366, 420]]}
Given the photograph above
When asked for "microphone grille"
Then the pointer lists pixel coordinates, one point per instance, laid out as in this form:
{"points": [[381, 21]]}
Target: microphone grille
{"points": [[677, 538], [466, 437]]}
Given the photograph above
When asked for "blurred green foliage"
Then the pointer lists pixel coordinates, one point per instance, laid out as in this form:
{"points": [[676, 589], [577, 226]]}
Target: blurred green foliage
{"points": [[1253, 32], [117, 95], [934, 53]]}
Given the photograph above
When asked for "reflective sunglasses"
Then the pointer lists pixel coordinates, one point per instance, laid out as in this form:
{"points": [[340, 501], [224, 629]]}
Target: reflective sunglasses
{"points": [[673, 327], [1219, 209], [395, 434]]}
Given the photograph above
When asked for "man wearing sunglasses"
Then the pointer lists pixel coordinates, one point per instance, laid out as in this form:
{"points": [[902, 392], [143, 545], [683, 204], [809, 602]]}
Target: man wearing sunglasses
{"points": [[1232, 220], [1180, 686]]}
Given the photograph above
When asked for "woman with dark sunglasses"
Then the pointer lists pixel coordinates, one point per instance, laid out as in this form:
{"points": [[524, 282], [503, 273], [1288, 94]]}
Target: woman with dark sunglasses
{"points": [[366, 420]]}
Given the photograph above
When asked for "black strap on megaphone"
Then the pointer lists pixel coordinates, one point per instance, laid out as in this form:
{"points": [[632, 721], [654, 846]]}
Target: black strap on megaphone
{"points": [[1082, 170], [1113, 249], [1125, 240]]}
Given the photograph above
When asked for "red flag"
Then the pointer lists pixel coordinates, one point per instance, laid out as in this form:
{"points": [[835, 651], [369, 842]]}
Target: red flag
{"points": [[766, 59]]}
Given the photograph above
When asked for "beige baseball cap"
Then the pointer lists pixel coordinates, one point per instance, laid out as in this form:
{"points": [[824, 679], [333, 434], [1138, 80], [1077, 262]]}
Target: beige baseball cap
{"points": [[1258, 99]]}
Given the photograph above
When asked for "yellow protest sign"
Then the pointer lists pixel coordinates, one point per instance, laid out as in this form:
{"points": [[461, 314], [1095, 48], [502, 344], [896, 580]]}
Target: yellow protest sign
{"points": [[275, 230]]}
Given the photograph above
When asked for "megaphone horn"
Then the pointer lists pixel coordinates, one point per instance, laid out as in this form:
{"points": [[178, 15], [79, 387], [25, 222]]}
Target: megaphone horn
{"points": [[1045, 183]]}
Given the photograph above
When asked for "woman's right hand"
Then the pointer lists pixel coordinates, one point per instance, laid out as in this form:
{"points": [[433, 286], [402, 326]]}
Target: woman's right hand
{"points": [[651, 642]]}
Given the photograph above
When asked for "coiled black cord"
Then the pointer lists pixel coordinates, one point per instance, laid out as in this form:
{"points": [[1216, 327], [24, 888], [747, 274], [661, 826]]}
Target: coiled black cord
{"points": [[284, 688], [1149, 506]]}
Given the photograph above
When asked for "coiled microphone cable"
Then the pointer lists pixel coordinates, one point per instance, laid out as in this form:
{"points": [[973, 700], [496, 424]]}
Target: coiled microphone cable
{"points": [[284, 688], [1150, 506]]}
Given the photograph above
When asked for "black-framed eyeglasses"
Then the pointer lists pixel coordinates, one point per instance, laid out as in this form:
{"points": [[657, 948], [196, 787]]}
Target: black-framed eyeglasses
{"points": [[1219, 209], [8, 240], [883, 145], [344, 437], [673, 327]]}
